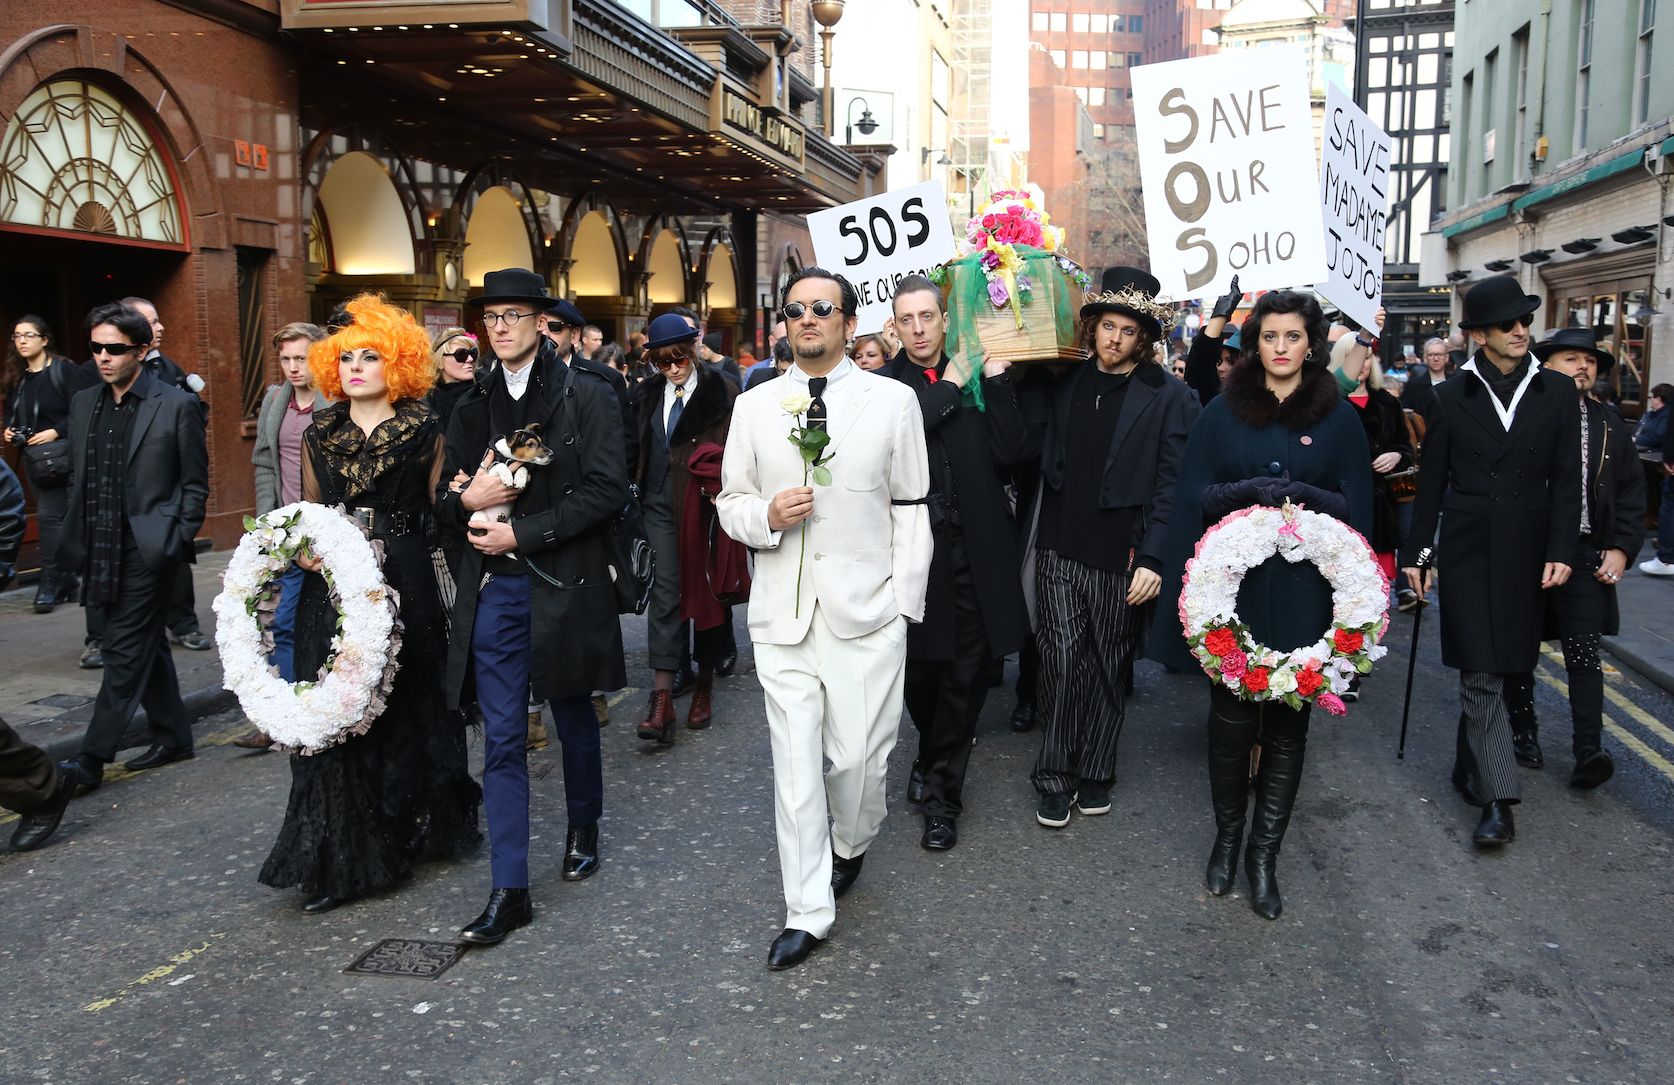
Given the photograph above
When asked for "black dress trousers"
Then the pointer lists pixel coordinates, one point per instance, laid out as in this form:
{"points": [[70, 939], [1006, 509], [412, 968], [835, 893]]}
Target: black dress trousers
{"points": [[139, 671]]}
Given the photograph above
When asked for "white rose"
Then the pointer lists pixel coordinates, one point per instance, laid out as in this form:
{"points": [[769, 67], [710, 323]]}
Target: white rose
{"points": [[796, 403], [1282, 681]]}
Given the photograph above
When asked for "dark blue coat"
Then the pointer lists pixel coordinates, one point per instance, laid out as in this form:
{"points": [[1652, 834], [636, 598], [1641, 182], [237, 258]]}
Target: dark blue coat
{"points": [[1314, 436]]}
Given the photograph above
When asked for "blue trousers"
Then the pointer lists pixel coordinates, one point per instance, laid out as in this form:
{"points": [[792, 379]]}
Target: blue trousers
{"points": [[500, 651], [284, 623]]}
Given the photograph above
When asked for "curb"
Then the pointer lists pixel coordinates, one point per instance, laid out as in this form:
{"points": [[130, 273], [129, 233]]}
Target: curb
{"points": [[199, 703], [1652, 672]]}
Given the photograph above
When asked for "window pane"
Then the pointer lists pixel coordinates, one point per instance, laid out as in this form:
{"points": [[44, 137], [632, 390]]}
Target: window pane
{"points": [[1078, 22], [1059, 21], [1095, 61], [1037, 21], [1078, 58], [1059, 58], [1100, 24]]}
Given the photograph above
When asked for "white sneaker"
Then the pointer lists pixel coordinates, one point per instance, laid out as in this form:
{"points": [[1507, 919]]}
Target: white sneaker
{"points": [[1656, 567]]}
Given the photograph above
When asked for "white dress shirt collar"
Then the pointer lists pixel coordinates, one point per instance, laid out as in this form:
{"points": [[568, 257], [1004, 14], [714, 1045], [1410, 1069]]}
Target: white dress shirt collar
{"points": [[842, 370], [517, 382]]}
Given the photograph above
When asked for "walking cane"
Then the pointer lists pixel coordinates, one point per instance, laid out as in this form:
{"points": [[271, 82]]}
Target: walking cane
{"points": [[1424, 559]]}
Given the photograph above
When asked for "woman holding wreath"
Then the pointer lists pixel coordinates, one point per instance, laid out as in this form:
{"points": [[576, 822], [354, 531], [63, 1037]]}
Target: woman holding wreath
{"points": [[363, 811], [1280, 429]]}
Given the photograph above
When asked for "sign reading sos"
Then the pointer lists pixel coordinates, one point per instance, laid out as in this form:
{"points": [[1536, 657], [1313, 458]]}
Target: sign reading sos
{"points": [[875, 243]]}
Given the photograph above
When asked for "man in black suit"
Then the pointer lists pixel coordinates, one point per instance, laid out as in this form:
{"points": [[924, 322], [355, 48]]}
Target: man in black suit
{"points": [[1612, 527], [141, 479], [1500, 456], [973, 610]]}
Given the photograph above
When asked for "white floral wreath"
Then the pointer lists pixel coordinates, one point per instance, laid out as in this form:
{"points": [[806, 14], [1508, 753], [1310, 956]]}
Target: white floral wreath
{"points": [[1319, 672], [309, 716]]}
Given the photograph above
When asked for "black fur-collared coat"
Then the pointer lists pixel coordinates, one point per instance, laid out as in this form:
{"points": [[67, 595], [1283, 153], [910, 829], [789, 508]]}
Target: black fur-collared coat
{"points": [[706, 418], [1313, 436]]}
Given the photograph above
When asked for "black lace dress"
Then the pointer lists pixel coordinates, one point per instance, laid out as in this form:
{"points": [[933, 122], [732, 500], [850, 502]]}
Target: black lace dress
{"points": [[362, 812]]}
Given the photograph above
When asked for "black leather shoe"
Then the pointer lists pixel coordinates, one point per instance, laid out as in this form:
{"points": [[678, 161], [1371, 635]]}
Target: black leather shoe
{"points": [[791, 948], [940, 834], [92, 657], [156, 757], [684, 680], [728, 664], [843, 873], [1527, 750], [1023, 717], [581, 852], [508, 909], [1591, 770], [915, 785], [1496, 827], [35, 826], [320, 905], [86, 777]]}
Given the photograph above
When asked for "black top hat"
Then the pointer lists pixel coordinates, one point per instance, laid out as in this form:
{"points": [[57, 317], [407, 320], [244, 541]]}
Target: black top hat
{"points": [[565, 312], [1495, 300], [1581, 339], [667, 330], [513, 284], [1133, 293]]}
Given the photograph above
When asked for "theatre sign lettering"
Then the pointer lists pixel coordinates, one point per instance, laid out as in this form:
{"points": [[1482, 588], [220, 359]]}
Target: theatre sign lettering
{"points": [[775, 133]]}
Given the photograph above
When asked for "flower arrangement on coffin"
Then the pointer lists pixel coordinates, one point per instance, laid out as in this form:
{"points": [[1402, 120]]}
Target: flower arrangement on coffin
{"points": [[1011, 292], [1223, 645]]}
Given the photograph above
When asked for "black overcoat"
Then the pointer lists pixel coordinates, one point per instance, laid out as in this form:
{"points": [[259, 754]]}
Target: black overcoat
{"points": [[1315, 437], [1512, 502], [564, 527], [979, 450]]}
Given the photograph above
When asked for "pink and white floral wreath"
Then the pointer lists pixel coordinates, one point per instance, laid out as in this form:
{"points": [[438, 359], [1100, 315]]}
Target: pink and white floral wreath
{"points": [[350, 692], [1317, 673]]}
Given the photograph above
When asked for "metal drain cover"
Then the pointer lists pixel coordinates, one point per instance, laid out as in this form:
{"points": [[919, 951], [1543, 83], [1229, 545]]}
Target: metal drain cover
{"points": [[63, 700], [408, 958]]}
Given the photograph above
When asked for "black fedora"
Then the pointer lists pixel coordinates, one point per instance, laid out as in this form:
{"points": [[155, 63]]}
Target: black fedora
{"points": [[1495, 300], [1581, 339], [514, 284], [1133, 293], [565, 312]]}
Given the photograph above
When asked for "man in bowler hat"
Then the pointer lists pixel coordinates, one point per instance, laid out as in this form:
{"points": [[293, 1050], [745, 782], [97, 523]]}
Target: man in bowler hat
{"points": [[536, 615], [1501, 458], [1612, 527]]}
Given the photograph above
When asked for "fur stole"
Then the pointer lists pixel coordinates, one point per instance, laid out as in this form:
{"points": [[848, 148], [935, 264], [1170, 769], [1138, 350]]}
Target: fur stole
{"points": [[1249, 400]]}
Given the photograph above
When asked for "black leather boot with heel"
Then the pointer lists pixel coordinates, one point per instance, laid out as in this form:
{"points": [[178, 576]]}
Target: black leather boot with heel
{"points": [[1229, 794], [1276, 787]]}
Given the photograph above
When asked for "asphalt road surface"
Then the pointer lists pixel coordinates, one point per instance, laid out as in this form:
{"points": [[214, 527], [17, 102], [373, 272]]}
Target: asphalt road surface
{"points": [[140, 948]]}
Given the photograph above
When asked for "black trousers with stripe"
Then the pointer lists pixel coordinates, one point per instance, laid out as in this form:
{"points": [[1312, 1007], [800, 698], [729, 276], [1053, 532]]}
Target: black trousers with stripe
{"points": [[1085, 632]]}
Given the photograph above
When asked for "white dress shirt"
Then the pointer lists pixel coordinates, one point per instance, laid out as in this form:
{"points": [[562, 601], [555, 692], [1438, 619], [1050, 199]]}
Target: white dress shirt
{"points": [[517, 382], [686, 391]]}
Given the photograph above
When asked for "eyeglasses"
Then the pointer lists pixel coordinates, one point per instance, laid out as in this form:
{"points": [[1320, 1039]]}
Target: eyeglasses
{"points": [[510, 319], [822, 309], [18, 337], [463, 357], [680, 356], [1515, 323], [115, 350]]}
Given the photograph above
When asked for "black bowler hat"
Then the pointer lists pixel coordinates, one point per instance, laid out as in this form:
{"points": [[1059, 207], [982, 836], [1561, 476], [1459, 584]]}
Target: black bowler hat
{"points": [[513, 284], [1581, 339], [1495, 300], [565, 312], [667, 330], [1133, 293]]}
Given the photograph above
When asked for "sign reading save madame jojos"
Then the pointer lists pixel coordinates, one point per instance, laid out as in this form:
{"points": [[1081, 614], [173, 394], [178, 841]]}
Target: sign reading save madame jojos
{"points": [[875, 243], [1226, 157], [1354, 199]]}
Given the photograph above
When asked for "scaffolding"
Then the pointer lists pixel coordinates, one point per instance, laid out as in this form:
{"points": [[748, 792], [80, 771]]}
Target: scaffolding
{"points": [[973, 59]]}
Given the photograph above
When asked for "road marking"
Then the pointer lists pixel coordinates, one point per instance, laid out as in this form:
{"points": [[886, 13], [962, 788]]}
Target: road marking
{"points": [[161, 972], [1644, 718], [1621, 734]]}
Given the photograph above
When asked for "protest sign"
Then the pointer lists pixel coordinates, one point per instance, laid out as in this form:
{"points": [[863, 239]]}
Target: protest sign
{"points": [[875, 243], [1354, 198], [1226, 157]]}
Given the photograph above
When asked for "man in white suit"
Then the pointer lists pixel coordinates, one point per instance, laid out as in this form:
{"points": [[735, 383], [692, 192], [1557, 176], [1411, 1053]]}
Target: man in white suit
{"points": [[830, 642]]}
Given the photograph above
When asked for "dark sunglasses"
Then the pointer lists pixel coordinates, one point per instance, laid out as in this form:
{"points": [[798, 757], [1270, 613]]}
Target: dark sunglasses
{"points": [[1515, 323], [115, 350], [822, 309], [680, 357], [463, 357]]}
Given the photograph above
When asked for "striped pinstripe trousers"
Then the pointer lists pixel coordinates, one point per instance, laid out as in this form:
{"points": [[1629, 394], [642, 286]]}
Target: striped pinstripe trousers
{"points": [[1085, 631], [1488, 734]]}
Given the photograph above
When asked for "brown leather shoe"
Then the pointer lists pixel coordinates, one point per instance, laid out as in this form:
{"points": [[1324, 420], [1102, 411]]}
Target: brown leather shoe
{"points": [[255, 740], [658, 724], [601, 709], [537, 730], [703, 693]]}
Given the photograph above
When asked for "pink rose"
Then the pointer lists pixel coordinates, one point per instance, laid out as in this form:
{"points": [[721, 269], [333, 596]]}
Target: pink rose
{"points": [[1332, 704]]}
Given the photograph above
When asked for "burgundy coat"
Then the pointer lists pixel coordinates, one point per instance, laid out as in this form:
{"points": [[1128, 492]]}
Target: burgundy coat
{"points": [[714, 569]]}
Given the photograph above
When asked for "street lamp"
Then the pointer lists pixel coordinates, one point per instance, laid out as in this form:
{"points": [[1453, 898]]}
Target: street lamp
{"points": [[826, 13], [867, 123]]}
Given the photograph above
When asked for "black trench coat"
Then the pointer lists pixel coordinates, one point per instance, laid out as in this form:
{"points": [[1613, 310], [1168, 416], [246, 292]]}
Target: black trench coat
{"points": [[563, 522], [1512, 502]]}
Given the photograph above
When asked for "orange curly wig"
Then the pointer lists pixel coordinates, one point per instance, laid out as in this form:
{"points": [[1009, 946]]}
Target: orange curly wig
{"points": [[408, 368]]}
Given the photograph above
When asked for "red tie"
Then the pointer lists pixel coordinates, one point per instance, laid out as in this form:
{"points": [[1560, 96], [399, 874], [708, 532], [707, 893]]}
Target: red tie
{"points": [[930, 375]]}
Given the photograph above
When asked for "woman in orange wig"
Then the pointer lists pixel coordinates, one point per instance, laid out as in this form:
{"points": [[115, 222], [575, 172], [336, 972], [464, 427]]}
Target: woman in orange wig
{"points": [[363, 811]]}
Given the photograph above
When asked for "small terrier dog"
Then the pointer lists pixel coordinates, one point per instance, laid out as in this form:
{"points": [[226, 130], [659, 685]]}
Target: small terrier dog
{"points": [[513, 456]]}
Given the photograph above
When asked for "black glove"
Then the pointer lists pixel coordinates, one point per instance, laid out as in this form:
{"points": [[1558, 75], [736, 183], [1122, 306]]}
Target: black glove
{"points": [[1228, 302], [1329, 502], [1220, 498], [1271, 491]]}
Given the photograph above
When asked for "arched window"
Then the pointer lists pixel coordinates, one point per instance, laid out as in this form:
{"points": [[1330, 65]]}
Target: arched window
{"points": [[75, 158]]}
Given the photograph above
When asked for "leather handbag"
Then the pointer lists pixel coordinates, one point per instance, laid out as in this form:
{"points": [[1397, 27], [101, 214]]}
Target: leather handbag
{"points": [[634, 571], [48, 463]]}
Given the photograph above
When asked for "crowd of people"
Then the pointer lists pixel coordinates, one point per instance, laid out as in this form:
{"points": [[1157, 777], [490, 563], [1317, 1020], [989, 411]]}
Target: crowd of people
{"points": [[933, 511]]}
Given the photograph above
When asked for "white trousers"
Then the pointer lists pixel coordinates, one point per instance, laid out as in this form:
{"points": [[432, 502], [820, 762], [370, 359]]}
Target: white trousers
{"points": [[836, 699]]}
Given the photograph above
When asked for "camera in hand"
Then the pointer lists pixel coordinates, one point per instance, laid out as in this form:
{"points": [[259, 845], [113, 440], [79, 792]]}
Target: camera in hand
{"points": [[21, 435]]}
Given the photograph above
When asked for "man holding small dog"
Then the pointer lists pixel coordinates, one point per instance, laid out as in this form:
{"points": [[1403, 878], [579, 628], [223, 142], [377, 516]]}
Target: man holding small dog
{"points": [[536, 616]]}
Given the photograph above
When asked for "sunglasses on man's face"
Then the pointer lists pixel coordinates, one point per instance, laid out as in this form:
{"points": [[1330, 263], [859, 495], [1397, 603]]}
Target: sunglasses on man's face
{"points": [[1518, 322], [463, 357], [822, 309], [115, 350]]}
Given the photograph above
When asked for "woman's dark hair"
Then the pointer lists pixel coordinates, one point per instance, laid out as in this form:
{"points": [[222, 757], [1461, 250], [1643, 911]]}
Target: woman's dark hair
{"points": [[610, 354], [851, 296], [782, 354], [1086, 333], [1664, 392], [125, 320], [1288, 301], [11, 375]]}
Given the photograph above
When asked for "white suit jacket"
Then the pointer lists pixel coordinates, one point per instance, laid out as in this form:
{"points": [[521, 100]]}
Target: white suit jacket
{"points": [[868, 560]]}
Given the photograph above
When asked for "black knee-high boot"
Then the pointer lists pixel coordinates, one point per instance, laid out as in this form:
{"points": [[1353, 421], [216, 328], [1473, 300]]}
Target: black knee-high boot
{"points": [[1276, 785], [1229, 793]]}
